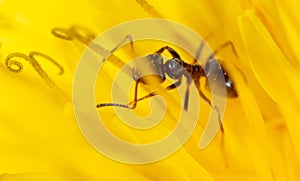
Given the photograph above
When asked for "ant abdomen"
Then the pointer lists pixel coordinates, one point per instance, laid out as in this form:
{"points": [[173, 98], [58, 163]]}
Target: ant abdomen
{"points": [[214, 69]]}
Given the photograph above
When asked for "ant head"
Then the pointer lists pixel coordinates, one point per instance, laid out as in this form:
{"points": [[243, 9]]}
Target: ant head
{"points": [[173, 68]]}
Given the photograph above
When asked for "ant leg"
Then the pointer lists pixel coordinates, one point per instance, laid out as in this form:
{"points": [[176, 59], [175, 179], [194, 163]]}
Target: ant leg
{"points": [[123, 105], [106, 53], [224, 45], [187, 93], [175, 85], [202, 95], [170, 50], [128, 37], [206, 99], [170, 87], [99, 49], [199, 51], [117, 61], [134, 102]]}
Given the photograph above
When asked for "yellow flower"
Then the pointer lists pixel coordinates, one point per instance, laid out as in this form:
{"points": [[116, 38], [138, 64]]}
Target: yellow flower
{"points": [[41, 43]]}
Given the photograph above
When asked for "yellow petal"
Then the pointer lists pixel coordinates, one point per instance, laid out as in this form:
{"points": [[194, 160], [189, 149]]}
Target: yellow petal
{"points": [[268, 63], [272, 71], [291, 24]]}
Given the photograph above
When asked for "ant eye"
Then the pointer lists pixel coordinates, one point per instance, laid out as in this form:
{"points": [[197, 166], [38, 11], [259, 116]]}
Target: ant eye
{"points": [[173, 68]]}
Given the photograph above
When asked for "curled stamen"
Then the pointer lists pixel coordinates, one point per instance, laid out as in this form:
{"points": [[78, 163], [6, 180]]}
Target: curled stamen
{"points": [[33, 53], [10, 63], [86, 36], [62, 33], [82, 34], [79, 33], [149, 9], [13, 65]]}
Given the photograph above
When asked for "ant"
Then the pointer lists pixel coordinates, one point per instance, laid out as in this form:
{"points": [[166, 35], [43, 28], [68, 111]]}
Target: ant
{"points": [[176, 69]]}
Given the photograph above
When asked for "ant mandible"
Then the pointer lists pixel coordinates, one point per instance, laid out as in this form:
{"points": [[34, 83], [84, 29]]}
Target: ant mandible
{"points": [[176, 69]]}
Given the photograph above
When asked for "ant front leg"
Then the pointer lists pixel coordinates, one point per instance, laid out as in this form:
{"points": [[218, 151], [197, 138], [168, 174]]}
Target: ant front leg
{"points": [[170, 87], [128, 37], [106, 53]]}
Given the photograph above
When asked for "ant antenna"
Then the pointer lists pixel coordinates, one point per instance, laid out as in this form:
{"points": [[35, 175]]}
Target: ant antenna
{"points": [[123, 105]]}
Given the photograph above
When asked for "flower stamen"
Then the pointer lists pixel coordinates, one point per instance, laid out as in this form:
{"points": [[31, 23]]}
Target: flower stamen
{"points": [[16, 66]]}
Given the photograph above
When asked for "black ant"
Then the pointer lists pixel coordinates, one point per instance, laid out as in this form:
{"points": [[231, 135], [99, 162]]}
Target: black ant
{"points": [[176, 69]]}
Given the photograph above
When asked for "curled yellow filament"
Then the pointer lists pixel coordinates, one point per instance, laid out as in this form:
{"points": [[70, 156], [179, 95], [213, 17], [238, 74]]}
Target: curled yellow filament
{"points": [[82, 34], [34, 53], [62, 33], [13, 65], [16, 66], [149, 9], [86, 36], [79, 33]]}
